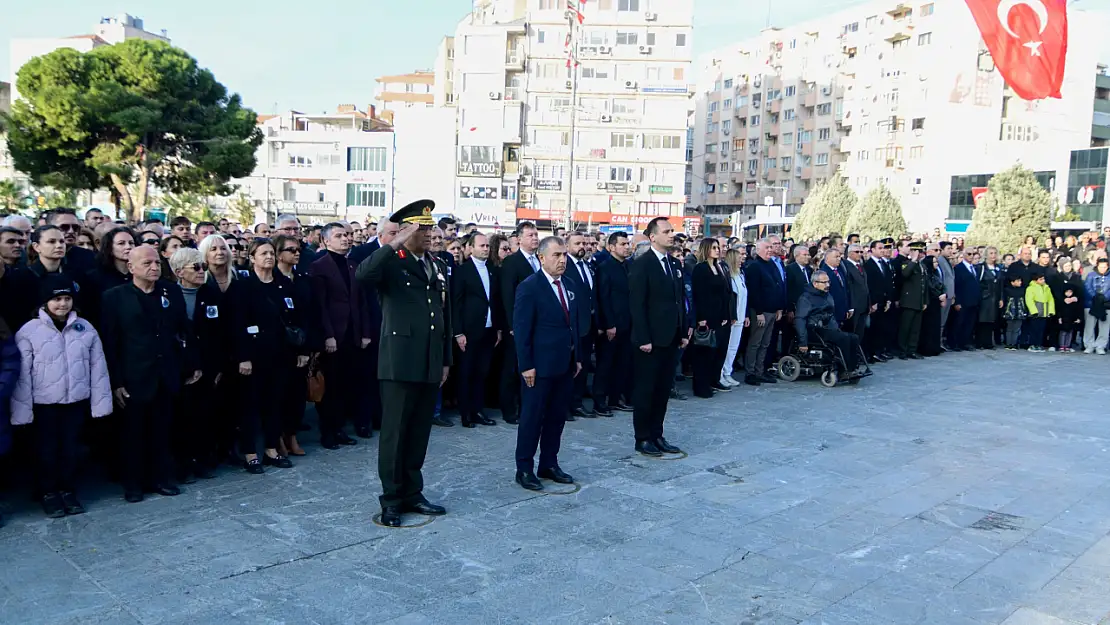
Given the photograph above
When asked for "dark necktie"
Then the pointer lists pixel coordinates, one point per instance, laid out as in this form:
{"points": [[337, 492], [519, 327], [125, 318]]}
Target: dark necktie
{"points": [[428, 268], [562, 300], [582, 272], [805, 272]]}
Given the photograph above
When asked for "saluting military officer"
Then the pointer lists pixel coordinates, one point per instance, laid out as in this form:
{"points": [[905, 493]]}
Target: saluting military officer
{"points": [[414, 356]]}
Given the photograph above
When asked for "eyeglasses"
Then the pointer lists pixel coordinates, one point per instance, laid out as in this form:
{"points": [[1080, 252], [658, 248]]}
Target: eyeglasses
{"points": [[197, 267], [236, 247], [820, 281], [291, 250], [68, 227], [151, 242]]}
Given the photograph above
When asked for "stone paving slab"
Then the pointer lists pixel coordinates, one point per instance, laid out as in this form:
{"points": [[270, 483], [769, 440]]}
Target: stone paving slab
{"points": [[966, 490]]}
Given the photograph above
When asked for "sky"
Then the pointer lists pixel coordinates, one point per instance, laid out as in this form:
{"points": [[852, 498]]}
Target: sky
{"points": [[312, 56]]}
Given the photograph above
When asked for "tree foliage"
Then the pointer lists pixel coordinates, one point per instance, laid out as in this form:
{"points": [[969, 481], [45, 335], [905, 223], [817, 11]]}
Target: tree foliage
{"points": [[128, 116], [826, 210], [12, 195], [241, 209], [878, 214], [191, 205], [1014, 207]]}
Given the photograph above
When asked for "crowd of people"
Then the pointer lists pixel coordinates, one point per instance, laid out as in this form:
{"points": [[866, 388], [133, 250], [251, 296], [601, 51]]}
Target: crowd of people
{"points": [[170, 349]]}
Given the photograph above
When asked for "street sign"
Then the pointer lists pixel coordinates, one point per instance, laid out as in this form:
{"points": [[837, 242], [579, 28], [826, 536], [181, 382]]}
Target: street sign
{"points": [[768, 201]]}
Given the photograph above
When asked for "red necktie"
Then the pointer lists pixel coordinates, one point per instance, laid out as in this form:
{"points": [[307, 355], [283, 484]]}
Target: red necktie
{"points": [[562, 300]]}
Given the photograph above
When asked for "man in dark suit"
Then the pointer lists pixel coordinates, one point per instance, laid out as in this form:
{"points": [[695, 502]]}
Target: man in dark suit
{"points": [[880, 285], [612, 380], [859, 296], [514, 270], [580, 279], [372, 401], [414, 357], [476, 318], [798, 277], [146, 334], [659, 328], [838, 285], [966, 307], [78, 260], [547, 348], [347, 333]]}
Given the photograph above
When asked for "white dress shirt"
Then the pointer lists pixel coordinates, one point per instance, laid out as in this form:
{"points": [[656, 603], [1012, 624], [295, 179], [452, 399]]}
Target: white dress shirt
{"points": [[582, 268], [664, 260], [557, 289], [483, 274]]}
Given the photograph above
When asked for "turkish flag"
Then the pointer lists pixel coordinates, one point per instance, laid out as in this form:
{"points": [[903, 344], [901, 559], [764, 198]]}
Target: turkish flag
{"points": [[1028, 40], [977, 195]]}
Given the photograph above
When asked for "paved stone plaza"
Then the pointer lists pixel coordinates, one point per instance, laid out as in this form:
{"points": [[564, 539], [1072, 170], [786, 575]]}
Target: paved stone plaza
{"points": [[968, 489]]}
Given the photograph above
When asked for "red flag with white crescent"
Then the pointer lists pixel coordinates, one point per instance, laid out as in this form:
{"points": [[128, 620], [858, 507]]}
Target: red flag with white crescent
{"points": [[1028, 40]]}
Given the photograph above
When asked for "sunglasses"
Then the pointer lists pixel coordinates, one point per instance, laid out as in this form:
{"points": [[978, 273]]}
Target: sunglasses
{"points": [[151, 242], [820, 281], [237, 248], [68, 227], [291, 250], [197, 267]]}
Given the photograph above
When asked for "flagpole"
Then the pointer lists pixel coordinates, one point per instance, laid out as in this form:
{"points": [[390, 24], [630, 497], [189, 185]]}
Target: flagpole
{"points": [[573, 65]]}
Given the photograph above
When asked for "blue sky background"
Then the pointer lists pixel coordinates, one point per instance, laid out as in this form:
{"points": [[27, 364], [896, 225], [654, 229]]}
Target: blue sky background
{"points": [[312, 56]]}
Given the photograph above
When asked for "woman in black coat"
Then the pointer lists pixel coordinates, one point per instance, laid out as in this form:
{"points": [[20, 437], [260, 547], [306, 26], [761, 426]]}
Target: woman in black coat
{"points": [[929, 343], [267, 322], [111, 270], [295, 392], [713, 312]]}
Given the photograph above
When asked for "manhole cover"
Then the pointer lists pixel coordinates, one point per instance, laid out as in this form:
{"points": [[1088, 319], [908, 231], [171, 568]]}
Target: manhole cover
{"points": [[996, 521]]}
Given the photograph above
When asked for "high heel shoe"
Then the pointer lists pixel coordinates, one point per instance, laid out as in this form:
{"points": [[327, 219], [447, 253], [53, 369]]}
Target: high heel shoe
{"points": [[278, 461]]}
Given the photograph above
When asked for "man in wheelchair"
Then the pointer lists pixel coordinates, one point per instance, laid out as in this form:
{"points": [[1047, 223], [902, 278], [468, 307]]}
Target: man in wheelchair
{"points": [[815, 313]]}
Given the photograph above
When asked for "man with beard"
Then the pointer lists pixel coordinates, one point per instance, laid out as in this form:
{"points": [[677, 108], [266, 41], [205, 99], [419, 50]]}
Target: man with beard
{"points": [[414, 356], [579, 277]]}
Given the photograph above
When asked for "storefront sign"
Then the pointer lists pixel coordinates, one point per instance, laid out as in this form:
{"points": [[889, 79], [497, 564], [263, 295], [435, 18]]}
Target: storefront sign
{"points": [[478, 170], [656, 188], [548, 185], [478, 193]]}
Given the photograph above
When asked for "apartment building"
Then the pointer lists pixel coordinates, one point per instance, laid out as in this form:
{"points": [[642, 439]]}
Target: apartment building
{"points": [[415, 89], [897, 93], [444, 85], [7, 169], [601, 142], [323, 167]]}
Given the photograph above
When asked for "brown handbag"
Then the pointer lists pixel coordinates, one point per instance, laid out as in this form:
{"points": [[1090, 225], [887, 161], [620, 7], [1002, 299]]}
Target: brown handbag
{"points": [[315, 381]]}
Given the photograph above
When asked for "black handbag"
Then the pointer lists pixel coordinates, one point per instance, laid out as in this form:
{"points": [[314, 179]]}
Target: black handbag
{"points": [[705, 337]]}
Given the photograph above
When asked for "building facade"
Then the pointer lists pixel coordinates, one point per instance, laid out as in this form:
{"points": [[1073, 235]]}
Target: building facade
{"points": [[323, 167], [415, 89], [600, 142], [902, 94]]}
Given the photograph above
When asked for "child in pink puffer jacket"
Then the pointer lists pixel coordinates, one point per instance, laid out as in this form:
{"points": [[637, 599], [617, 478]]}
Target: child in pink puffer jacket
{"points": [[62, 375]]}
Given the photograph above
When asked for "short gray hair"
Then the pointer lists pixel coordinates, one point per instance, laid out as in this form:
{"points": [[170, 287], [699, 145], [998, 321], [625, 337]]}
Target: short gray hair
{"points": [[185, 256], [287, 217], [11, 220], [547, 242], [641, 247], [818, 274]]}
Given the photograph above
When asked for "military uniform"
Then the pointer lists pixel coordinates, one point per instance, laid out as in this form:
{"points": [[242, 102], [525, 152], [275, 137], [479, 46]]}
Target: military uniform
{"points": [[912, 300], [415, 346]]}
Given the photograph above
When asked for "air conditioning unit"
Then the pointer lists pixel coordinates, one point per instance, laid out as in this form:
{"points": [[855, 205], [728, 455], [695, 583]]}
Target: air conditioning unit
{"points": [[650, 17], [751, 172], [604, 49], [757, 82], [826, 91], [645, 49], [916, 189], [526, 180], [495, 95], [601, 185], [570, 84], [630, 84], [754, 148], [800, 148], [525, 197], [725, 132], [605, 119], [634, 188], [279, 145], [899, 163]]}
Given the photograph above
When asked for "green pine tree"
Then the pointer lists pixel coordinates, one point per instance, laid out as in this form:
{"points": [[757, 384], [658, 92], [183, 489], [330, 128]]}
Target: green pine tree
{"points": [[1015, 206], [878, 214], [825, 211]]}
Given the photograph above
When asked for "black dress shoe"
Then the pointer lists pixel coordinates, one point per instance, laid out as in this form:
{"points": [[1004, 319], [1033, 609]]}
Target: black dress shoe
{"points": [[767, 378], [391, 516], [917, 356], [70, 503], [482, 419], [278, 461], [648, 448], [666, 447], [342, 438], [555, 474], [620, 406], [363, 431], [721, 388], [254, 467], [511, 420], [133, 496], [528, 480], [442, 421], [167, 490], [425, 508], [603, 411], [675, 394], [328, 442], [466, 422], [52, 505], [582, 412], [753, 380]]}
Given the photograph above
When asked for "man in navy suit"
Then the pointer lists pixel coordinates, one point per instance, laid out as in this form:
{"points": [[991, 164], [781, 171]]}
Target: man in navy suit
{"points": [[838, 285], [580, 278], [545, 324], [612, 381], [966, 306]]}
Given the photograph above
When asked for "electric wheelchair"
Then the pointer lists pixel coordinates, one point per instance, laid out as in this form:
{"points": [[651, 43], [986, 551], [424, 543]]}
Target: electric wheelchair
{"points": [[822, 359]]}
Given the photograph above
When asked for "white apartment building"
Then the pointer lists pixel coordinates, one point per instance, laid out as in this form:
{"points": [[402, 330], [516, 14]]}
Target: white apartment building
{"points": [[323, 167], [899, 93], [444, 86], [412, 90], [519, 130], [425, 158]]}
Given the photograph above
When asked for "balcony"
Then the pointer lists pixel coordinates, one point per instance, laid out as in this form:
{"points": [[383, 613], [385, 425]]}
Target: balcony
{"points": [[810, 100], [771, 175], [514, 60], [513, 94], [313, 209], [771, 151], [776, 106], [809, 123]]}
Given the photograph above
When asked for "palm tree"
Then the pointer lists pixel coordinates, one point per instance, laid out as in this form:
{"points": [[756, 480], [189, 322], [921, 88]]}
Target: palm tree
{"points": [[11, 195]]}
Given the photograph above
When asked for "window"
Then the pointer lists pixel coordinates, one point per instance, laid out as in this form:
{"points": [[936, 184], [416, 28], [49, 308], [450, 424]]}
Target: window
{"points": [[549, 5], [926, 9], [737, 144], [722, 188], [728, 83], [724, 148], [627, 39], [622, 140], [713, 106], [741, 100], [620, 174], [805, 136], [863, 155], [605, 5], [680, 73], [372, 195], [788, 138], [300, 161], [650, 39], [626, 107], [917, 151], [872, 22], [722, 166], [924, 39], [710, 188], [788, 114], [628, 5], [726, 125], [754, 120], [727, 104], [769, 163], [365, 159], [786, 162], [541, 36], [752, 165], [824, 109], [823, 159], [851, 28], [918, 123], [823, 134], [663, 142], [790, 91], [711, 148], [595, 72]]}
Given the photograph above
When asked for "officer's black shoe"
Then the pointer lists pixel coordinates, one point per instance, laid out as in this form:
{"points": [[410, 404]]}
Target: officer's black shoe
{"points": [[363, 431], [70, 503], [648, 448], [391, 516], [555, 474], [342, 438], [424, 507], [52, 505], [482, 419], [528, 480]]}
